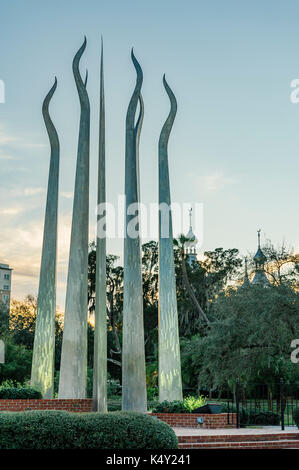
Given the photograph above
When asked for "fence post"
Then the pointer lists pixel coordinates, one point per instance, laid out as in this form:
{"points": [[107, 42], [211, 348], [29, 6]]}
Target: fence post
{"points": [[237, 403], [227, 396], [282, 403]]}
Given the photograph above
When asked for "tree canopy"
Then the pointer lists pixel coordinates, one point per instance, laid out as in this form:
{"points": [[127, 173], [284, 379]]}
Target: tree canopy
{"points": [[226, 331]]}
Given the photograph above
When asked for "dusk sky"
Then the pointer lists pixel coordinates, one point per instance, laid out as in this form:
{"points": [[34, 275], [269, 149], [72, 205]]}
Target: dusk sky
{"points": [[235, 142]]}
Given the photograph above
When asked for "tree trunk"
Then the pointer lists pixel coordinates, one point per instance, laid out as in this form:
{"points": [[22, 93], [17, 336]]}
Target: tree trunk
{"points": [[191, 291]]}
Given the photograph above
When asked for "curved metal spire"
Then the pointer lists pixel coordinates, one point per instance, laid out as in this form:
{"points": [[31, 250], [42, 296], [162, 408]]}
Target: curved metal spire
{"points": [[72, 379], [86, 78], [100, 332], [42, 373], [81, 86], [130, 118], [52, 133], [133, 354], [137, 132], [170, 380], [166, 129]]}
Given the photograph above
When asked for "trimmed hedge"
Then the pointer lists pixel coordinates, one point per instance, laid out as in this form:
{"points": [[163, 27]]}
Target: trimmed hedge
{"points": [[19, 393], [170, 407], [115, 405], [296, 416], [251, 417], [184, 406], [267, 418], [63, 430]]}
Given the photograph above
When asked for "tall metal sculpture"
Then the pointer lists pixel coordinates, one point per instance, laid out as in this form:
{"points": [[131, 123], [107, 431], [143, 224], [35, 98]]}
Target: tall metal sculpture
{"points": [[72, 380], [170, 381], [133, 355], [137, 133], [100, 333], [42, 373]]}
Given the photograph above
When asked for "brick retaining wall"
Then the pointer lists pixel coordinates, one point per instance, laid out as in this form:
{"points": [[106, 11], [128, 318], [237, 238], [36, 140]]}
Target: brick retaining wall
{"points": [[74, 405], [189, 420]]}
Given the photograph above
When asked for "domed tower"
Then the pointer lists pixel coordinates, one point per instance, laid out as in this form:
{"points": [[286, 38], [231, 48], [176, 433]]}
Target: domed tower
{"points": [[246, 282], [190, 245], [260, 259]]}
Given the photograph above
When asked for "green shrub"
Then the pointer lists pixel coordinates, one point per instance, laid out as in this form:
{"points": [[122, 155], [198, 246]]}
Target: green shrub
{"points": [[7, 391], [251, 417], [113, 387], [266, 418], [170, 407], [228, 407], [191, 402], [63, 430], [9, 383], [114, 405], [152, 393], [185, 406], [296, 416], [17, 366]]}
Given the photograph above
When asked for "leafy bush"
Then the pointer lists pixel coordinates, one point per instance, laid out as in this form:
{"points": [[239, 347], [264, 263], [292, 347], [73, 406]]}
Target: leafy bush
{"points": [[63, 430], [251, 417], [296, 416], [170, 407], [19, 393], [266, 418], [186, 406], [191, 402], [228, 407], [17, 366], [113, 387], [152, 393], [115, 404], [9, 383]]}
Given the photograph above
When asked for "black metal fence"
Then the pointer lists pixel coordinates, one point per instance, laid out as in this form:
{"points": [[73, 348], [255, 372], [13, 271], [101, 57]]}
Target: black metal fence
{"points": [[263, 405]]}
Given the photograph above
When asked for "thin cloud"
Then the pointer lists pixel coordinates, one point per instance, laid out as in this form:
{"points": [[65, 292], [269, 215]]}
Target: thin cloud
{"points": [[6, 156], [24, 140], [33, 191], [16, 192], [12, 210], [217, 181], [21, 247]]}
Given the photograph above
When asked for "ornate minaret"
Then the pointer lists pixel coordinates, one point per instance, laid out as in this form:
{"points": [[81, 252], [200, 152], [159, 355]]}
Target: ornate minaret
{"points": [[190, 245], [260, 259]]}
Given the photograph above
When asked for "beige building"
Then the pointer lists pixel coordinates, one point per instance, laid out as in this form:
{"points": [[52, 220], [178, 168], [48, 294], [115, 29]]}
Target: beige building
{"points": [[5, 283]]}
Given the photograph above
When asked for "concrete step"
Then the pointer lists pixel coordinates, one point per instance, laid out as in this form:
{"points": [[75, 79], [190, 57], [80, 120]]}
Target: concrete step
{"points": [[276, 444], [262, 437]]}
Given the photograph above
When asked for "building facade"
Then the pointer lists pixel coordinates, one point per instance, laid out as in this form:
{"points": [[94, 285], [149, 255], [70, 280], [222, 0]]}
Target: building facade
{"points": [[5, 283]]}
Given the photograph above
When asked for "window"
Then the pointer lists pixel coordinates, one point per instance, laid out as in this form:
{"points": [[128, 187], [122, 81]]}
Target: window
{"points": [[5, 298], [6, 287], [6, 277]]}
